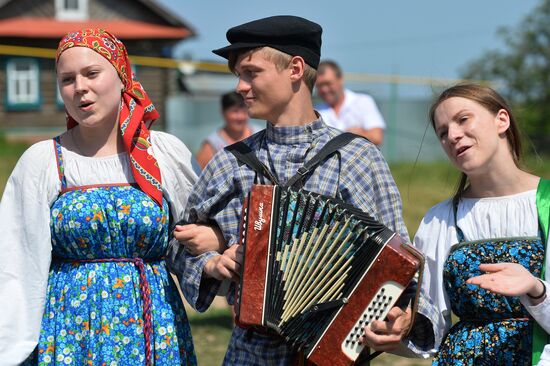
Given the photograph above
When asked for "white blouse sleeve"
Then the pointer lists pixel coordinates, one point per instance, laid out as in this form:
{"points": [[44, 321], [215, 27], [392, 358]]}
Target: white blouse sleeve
{"points": [[541, 314], [25, 248], [434, 238], [178, 177]]}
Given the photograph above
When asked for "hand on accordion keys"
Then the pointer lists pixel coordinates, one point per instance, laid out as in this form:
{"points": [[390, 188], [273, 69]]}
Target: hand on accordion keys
{"points": [[386, 335], [227, 265]]}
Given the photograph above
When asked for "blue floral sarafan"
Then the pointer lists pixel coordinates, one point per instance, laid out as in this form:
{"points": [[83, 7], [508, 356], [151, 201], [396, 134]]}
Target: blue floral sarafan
{"points": [[107, 241], [492, 329]]}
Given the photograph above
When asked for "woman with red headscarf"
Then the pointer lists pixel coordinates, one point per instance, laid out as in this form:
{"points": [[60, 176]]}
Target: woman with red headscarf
{"points": [[84, 223]]}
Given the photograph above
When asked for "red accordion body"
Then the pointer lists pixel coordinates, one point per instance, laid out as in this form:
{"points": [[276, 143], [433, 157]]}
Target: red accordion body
{"points": [[318, 299]]}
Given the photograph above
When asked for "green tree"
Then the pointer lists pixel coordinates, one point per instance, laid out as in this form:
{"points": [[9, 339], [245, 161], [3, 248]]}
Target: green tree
{"points": [[521, 72]]}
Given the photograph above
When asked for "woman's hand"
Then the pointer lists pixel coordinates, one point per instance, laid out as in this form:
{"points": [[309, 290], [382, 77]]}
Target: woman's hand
{"points": [[199, 239], [508, 279], [387, 335]]}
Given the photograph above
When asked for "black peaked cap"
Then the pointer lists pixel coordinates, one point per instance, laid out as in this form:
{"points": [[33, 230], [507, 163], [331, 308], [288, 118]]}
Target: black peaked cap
{"points": [[289, 34]]}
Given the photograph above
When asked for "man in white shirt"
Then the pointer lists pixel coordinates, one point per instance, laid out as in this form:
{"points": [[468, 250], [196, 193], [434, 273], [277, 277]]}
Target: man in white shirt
{"points": [[344, 109]]}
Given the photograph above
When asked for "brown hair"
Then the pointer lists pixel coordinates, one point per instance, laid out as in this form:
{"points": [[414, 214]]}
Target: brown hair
{"points": [[492, 102], [280, 59], [329, 64], [232, 99]]}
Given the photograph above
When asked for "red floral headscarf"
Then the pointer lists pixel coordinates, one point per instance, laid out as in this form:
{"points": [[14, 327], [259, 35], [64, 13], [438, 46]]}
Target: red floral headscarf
{"points": [[137, 112]]}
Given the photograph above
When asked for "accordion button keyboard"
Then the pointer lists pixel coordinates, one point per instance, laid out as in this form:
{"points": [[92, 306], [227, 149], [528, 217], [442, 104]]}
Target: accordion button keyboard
{"points": [[377, 309]]}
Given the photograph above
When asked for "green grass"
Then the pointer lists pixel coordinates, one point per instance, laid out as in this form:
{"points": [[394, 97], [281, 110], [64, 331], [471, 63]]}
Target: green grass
{"points": [[9, 154], [421, 187], [211, 332]]}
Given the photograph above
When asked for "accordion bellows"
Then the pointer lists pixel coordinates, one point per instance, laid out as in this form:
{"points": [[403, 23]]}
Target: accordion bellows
{"points": [[316, 271]]}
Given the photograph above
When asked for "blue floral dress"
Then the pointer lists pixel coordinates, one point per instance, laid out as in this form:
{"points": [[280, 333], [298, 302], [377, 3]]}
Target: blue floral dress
{"points": [[110, 299], [492, 329]]}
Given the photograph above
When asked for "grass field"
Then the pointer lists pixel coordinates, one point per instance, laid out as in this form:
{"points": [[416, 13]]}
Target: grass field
{"points": [[9, 153], [421, 186]]}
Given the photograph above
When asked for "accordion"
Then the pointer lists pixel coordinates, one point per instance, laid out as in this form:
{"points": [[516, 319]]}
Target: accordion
{"points": [[317, 271]]}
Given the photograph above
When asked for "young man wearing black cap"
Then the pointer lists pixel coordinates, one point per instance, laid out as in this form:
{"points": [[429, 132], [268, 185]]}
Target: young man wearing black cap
{"points": [[275, 59]]}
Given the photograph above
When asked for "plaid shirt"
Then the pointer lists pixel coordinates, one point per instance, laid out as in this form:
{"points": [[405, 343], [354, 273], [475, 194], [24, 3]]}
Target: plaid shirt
{"points": [[358, 175], [423, 335]]}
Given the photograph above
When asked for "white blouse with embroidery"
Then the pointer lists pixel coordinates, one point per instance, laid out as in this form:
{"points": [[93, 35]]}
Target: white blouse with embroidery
{"points": [[25, 244], [478, 218]]}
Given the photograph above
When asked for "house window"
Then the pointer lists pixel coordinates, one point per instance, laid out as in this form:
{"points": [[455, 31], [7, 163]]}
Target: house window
{"points": [[71, 9], [23, 83]]}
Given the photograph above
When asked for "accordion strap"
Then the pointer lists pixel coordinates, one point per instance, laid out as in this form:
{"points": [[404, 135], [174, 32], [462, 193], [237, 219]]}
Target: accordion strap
{"points": [[245, 155], [330, 148]]}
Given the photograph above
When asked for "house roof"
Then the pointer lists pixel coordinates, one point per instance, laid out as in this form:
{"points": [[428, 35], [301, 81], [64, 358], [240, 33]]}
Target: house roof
{"points": [[167, 14], [26, 27], [175, 28]]}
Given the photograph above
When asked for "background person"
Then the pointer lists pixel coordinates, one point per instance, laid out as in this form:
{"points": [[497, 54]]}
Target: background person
{"points": [[345, 109], [236, 127]]}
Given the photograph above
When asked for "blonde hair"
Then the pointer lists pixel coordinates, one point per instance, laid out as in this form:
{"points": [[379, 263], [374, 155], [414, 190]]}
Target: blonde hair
{"points": [[280, 59]]}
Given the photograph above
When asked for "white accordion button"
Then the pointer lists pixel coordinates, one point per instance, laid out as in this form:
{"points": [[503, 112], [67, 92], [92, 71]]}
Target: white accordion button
{"points": [[377, 309]]}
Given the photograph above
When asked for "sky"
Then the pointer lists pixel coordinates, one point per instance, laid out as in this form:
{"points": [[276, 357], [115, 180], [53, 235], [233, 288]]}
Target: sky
{"points": [[428, 38]]}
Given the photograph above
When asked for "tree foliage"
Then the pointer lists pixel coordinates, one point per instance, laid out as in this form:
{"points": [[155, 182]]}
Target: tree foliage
{"points": [[521, 72]]}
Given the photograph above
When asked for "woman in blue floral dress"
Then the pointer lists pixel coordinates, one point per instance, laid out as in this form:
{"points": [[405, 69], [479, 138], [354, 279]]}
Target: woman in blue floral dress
{"points": [[492, 219], [85, 221]]}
